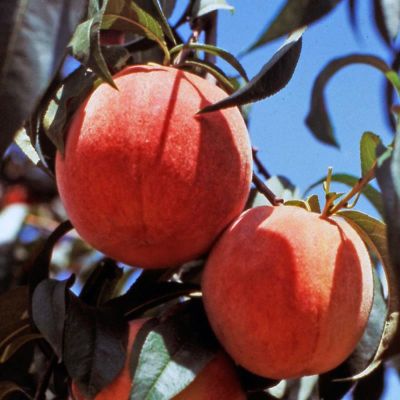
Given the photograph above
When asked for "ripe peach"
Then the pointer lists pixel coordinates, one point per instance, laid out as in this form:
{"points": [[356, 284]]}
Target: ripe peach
{"points": [[217, 381], [287, 292], [144, 179]]}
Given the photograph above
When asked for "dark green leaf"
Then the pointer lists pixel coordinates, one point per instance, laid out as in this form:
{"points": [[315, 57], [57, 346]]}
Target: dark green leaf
{"points": [[94, 345], [85, 47], [64, 102], [313, 203], [41, 264], [171, 353], [29, 29], [373, 232], [49, 310], [294, 15], [368, 145], [208, 48], [136, 301], [318, 119], [273, 77], [128, 16], [101, 283], [373, 195], [203, 7], [163, 21], [212, 69]]}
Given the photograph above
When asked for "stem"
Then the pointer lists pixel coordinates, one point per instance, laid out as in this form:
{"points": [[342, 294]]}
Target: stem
{"points": [[210, 31], [260, 166], [197, 28], [267, 192], [45, 379], [358, 187]]}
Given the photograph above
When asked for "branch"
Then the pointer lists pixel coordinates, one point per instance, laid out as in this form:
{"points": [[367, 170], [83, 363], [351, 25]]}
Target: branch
{"points": [[267, 192]]}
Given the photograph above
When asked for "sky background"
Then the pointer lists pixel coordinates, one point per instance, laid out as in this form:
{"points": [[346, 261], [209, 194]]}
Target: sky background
{"points": [[354, 97]]}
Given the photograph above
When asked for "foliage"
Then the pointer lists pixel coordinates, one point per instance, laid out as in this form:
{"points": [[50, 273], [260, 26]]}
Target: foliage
{"points": [[64, 308]]}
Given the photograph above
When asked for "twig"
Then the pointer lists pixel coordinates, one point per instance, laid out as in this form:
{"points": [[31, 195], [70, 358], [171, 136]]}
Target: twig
{"points": [[45, 379], [197, 28], [210, 32], [358, 187], [260, 166], [266, 191]]}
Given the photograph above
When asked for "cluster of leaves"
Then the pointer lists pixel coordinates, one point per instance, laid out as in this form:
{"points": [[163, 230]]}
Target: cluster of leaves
{"points": [[51, 335]]}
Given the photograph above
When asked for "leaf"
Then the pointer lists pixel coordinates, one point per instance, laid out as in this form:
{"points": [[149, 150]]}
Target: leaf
{"points": [[273, 77], [136, 301], [294, 15], [101, 283], [373, 232], [85, 47], [49, 311], [14, 306], [63, 103], [128, 16], [297, 203], [368, 145], [41, 264], [24, 143], [94, 345], [203, 7], [318, 119], [387, 19], [208, 48], [212, 69], [171, 353], [30, 29], [7, 388], [372, 386], [313, 204], [164, 22], [373, 195], [17, 344]]}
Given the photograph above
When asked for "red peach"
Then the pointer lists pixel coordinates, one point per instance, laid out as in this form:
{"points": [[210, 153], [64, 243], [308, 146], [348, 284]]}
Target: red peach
{"points": [[287, 292], [144, 179]]}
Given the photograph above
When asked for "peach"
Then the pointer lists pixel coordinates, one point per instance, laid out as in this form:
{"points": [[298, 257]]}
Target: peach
{"points": [[287, 292], [217, 381], [144, 179]]}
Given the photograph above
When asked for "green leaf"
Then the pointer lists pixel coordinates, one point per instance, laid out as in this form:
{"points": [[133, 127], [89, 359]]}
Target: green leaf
{"points": [[318, 119], [85, 47], [208, 48], [203, 7], [23, 141], [373, 195], [135, 19], [368, 145], [294, 15], [94, 345], [171, 353], [164, 22], [297, 203], [30, 29], [313, 203], [373, 232], [273, 77], [212, 69], [63, 103]]}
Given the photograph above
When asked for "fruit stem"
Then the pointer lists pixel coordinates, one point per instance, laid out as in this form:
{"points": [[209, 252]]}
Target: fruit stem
{"points": [[260, 166], [355, 191], [266, 191]]}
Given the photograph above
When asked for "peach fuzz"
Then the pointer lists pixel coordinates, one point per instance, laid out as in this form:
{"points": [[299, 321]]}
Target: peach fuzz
{"points": [[287, 292], [144, 179], [217, 381]]}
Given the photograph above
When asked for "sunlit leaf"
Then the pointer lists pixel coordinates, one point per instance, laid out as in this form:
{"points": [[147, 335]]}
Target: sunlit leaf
{"points": [[203, 7], [273, 77], [368, 145], [373, 195]]}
